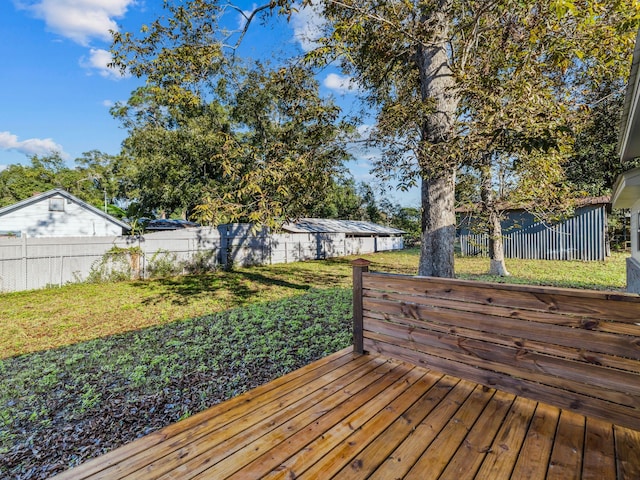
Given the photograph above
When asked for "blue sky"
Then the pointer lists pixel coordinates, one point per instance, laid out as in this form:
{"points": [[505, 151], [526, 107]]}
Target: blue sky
{"points": [[56, 90]]}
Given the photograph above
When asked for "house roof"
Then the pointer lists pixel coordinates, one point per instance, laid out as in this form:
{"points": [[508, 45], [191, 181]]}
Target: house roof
{"points": [[323, 225], [168, 224], [68, 196], [629, 140], [626, 190]]}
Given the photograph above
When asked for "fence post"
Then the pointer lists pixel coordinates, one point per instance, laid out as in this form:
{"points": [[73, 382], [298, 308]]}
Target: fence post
{"points": [[24, 263], [360, 266]]}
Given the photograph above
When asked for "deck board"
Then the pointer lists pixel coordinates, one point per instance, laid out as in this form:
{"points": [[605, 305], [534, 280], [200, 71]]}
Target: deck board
{"points": [[352, 416]]}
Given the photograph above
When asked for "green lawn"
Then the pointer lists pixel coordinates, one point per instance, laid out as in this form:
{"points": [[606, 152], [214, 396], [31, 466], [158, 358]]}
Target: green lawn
{"points": [[44, 319]]}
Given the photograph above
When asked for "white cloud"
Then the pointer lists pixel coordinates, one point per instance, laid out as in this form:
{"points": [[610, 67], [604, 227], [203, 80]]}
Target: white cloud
{"points": [[31, 146], [341, 84], [108, 103], [242, 17], [308, 24], [79, 20], [98, 60]]}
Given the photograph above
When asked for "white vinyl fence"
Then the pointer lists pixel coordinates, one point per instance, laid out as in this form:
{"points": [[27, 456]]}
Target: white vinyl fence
{"points": [[30, 263]]}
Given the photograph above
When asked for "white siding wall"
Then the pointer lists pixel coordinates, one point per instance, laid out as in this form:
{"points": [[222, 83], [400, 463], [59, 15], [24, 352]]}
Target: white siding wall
{"points": [[36, 220], [635, 231]]}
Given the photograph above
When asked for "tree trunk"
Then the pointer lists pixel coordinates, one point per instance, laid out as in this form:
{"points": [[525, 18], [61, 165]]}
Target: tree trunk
{"points": [[438, 225], [437, 166], [494, 227]]}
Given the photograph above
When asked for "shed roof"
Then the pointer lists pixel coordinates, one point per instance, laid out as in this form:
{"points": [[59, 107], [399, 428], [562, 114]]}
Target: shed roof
{"points": [[323, 225], [577, 202], [68, 196]]}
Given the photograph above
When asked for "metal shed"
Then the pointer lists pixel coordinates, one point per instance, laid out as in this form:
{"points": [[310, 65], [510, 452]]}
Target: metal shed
{"points": [[580, 237]]}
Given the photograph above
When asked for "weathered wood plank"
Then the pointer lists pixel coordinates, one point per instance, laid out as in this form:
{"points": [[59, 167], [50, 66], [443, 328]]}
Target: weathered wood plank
{"points": [[562, 300], [436, 457], [599, 462], [507, 444], [512, 311], [367, 448], [586, 405], [472, 452], [593, 341], [251, 399], [577, 354], [533, 460], [359, 267], [573, 377], [627, 452], [408, 452], [566, 458]]}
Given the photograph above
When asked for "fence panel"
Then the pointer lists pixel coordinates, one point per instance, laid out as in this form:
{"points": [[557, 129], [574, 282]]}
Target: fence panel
{"points": [[31, 263]]}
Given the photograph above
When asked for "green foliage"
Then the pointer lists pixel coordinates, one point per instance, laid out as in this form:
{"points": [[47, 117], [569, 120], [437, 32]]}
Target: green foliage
{"points": [[94, 176], [203, 261], [162, 264], [340, 200], [116, 265], [217, 142], [476, 82], [594, 164], [132, 383]]}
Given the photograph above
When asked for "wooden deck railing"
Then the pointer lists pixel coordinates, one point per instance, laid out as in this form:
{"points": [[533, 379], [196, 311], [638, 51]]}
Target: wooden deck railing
{"points": [[575, 349]]}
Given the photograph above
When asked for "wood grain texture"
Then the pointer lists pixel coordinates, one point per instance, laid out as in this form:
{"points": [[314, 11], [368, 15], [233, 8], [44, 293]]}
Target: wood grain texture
{"points": [[357, 417], [558, 346], [588, 303], [464, 380]]}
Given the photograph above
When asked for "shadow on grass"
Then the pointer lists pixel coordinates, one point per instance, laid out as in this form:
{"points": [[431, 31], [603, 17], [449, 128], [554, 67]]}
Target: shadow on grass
{"points": [[240, 286]]}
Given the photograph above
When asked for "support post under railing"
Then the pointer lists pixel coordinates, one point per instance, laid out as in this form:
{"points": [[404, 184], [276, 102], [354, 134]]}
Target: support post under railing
{"points": [[360, 266]]}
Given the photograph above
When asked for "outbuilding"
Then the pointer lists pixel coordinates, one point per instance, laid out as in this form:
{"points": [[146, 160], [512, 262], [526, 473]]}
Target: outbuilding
{"points": [[581, 236], [57, 213]]}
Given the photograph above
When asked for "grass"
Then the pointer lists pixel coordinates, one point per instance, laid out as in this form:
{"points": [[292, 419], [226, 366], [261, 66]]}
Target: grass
{"points": [[43, 319], [60, 407]]}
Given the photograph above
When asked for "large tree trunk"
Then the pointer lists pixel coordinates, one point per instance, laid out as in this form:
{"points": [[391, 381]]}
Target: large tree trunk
{"points": [[437, 86], [438, 225], [494, 227]]}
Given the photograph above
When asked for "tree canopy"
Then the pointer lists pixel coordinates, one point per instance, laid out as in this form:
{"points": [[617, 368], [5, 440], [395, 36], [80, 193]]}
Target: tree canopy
{"points": [[216, 138], [468, 81], [452, 83]]}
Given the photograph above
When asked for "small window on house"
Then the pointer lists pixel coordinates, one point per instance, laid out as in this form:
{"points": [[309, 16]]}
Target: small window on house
{"points": [[56, 204]]}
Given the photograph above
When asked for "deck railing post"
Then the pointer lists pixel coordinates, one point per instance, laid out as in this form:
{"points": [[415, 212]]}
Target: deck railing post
{"points": [[360, 266]]}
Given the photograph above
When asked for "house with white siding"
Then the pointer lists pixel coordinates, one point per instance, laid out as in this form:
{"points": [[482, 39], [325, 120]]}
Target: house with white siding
{"points": [[57, 213], [626, 191]]}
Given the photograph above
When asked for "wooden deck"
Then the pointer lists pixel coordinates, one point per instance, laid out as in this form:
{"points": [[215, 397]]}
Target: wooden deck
{"points": [[363, 416]]}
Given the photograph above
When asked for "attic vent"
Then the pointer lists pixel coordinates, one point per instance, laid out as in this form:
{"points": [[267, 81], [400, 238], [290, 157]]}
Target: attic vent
{"points": [[56, 204]]}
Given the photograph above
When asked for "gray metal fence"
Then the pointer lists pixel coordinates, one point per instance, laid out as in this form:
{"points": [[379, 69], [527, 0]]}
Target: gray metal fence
{"points": [[30, 263]]}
